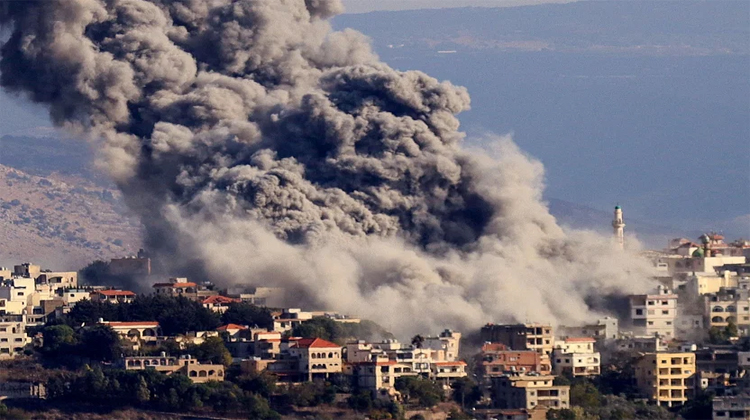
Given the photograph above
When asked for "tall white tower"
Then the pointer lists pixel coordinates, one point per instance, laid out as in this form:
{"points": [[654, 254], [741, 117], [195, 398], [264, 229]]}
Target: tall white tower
{"points": [[619, 228]]}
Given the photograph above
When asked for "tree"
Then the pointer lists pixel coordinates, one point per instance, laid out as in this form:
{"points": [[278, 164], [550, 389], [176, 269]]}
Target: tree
{"points": [[212, 350], [143, 394], [426, 392], [466, 392], [585, 394], [58, 339], [100, 343], [247, 314], [699, 407]]}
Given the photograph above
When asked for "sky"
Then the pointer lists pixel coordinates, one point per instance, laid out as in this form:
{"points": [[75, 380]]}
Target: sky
{"points": [[363, 6]]}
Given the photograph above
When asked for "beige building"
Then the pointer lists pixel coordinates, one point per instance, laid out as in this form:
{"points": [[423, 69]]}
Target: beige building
{"points": [[728, 305], [666, 378], [136, 332], [576, 355], [448, 341], [113, 296], [529, 392], [316, 358], [177, 286], [537, 337], [447, 372], [197, 372], [654, 313], [218, 304], [380, 376], [13, 339]]}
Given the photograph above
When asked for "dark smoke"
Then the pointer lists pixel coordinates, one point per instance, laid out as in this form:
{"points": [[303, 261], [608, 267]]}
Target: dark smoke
{"points": [[264, 148]]}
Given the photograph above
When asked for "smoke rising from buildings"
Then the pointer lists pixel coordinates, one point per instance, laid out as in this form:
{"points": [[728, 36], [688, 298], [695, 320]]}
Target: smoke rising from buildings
{"points": [[263, 148]]}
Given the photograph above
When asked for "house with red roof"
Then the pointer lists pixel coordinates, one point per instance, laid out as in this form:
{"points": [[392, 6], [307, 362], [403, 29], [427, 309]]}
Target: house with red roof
{"points": [[316, 358], [218, 303], [113, 296], [136, 332]]}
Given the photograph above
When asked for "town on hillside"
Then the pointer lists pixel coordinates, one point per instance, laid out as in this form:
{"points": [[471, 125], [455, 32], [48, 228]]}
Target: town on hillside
{"points": [[681, 351]]}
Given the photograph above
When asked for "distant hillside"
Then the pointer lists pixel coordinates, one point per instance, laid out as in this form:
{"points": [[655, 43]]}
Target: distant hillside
{"points": [[638, 27], [44, 156], [62, 222]]}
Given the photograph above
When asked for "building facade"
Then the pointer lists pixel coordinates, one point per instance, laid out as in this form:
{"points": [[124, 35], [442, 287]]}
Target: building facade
{"points": [[666, 378]]}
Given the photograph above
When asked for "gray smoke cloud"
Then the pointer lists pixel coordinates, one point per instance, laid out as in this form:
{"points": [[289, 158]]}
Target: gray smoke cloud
{"points": [[260, 147]]}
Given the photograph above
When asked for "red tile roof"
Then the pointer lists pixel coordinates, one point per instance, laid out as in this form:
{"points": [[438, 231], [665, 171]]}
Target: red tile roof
{"points": [[231, 327], [316, 343], [116, 292], [494, 347], [188, 284], [219, 299], [459, 363]]}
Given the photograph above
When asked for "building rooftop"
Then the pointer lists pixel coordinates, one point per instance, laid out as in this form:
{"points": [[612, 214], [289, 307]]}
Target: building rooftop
{"points": [[188, 284], [315, 343], [131, 323], [231, 327], [219, 299]]}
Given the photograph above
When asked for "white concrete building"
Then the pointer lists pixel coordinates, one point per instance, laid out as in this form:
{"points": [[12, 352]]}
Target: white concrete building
{"points": [[448, 341], [576, 355], [654, 313]]}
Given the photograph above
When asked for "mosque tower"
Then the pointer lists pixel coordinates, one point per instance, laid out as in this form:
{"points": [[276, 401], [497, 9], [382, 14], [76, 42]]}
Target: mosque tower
{"points": [[619, 228]]}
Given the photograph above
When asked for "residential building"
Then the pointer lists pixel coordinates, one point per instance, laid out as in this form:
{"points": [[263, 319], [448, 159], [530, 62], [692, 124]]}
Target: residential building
{"points": [[131, 266], [537, 337], [288, 319], [5, 273], [666, 378], [379, 376], [606, 328], [717, 359], [524, 391], [576, 355], [498, 360], [316, 358], [448, 341], [729, 305], [57, 279], [271, 297], [113, 296], [27, 270], [654, 314], [13, 339], [448, 372], [136, 332], [218, 303], [73, 296], [736, 407], [177, 286], [195, 371], [641, 344]]}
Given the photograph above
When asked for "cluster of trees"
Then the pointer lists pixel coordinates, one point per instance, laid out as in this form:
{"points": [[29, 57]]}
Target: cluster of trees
{"points": [[176, 315], [717, 335], [149, 389], [340, 332], [420, 391]]}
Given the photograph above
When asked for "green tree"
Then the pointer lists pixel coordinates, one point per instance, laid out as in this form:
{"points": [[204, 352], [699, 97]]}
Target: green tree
{"points": [[258, 408], [143, 394], [100, 343], [212, 350], [585, 394], [424, 391], [699, 407], [466, 392], [247, 314], [58, 339]]}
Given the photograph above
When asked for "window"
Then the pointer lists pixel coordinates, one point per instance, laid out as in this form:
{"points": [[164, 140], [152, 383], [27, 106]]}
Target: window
{"points": [[639, 311], [650, 302], [665, 312], [669, 322], [650, 322], [664, 302]]}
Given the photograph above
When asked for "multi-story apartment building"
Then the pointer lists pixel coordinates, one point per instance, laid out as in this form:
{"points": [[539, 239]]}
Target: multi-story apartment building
{"points": [[448, 341], [529, 392], [379, 376], [576, 355], [666, 378], [606, 328], [537, 337], [728, 305], [726, 408], [654, 313], [498, 360], [13, 339]]}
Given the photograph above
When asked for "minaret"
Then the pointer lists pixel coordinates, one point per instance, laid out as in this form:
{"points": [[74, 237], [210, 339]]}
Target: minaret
{"points": [[619, 228]]}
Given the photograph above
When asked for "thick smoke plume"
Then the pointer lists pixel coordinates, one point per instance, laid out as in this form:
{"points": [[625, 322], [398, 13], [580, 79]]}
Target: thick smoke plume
{"points": [[259, 147]]}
